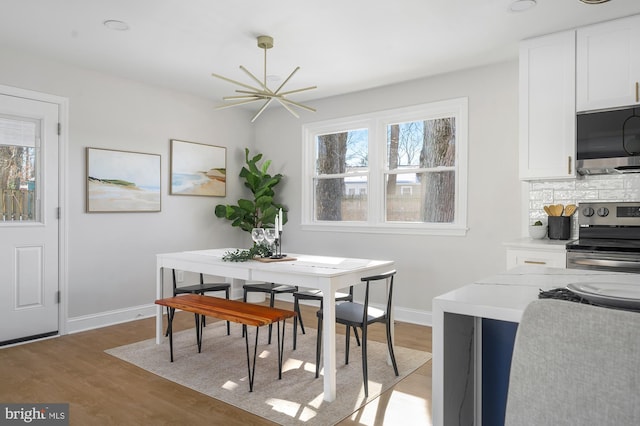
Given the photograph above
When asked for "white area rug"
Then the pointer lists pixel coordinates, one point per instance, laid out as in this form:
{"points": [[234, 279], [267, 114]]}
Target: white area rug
{"points": [[220, 372]]}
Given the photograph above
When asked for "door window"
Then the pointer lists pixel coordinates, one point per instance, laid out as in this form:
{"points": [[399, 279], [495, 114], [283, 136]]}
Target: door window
{"points": [[19, 164]]}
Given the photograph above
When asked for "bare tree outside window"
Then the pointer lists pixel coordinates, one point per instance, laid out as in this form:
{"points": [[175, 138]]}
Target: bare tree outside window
{"points": [[393, 149], [332, 150], [341, 186], [439, 188], [417, 153]]}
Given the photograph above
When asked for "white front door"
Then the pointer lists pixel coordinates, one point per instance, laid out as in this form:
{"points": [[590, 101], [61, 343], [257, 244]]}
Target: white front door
{"points": [[29, 229]]}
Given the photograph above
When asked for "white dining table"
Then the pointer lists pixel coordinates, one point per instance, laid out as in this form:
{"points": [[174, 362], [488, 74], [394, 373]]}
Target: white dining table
{"points": [[326, 273]]}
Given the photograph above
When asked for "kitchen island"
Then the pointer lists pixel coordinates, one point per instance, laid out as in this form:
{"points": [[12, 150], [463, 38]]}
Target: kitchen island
{"points": [[479, 321]]}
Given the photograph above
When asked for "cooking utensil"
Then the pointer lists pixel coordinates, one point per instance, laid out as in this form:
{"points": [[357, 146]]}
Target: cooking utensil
{"points": [[556, 209], [548, 210], [570, 209]]}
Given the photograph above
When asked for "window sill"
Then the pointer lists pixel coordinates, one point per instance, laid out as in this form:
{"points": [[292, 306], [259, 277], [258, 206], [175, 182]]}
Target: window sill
{"points": [[395, 229]]}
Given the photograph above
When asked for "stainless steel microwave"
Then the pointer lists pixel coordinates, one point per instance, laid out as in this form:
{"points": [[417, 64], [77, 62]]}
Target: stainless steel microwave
{"points": [[608, 142]]}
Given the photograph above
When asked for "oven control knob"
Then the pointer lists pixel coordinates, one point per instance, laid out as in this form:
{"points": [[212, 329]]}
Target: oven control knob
{"points": [[603, 212], [587, 212]]}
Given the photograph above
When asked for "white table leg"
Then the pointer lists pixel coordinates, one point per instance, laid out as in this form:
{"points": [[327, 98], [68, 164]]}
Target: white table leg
{"points": [[329, 344], [159, 293]]}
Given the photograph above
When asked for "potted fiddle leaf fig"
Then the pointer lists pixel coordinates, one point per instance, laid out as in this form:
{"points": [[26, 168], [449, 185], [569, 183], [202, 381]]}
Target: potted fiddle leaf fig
{"points": [[260, 211]]}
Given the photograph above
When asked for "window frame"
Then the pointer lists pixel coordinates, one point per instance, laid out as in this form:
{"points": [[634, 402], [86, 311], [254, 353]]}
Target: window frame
{"points": [[376, 124]]}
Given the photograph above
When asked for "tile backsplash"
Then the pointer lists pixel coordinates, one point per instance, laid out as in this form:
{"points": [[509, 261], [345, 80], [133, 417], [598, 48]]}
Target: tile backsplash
{"points": [[573, 191]]}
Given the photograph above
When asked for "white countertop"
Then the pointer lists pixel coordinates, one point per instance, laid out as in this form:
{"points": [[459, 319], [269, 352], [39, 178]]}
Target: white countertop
{"points": [[501, 297], [538, 244], [505, 296]]}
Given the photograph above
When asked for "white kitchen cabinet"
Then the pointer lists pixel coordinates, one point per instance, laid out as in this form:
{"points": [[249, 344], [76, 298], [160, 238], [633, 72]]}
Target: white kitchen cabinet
{"points": [[547, 107], [517, 257], [545, 252], [608, 65]]}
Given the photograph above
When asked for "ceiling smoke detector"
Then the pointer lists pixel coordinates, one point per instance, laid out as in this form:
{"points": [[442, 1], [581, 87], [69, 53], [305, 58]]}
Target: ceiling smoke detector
{"points": [[593, 1]]}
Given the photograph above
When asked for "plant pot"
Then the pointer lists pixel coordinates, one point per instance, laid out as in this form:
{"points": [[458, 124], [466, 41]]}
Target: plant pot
{"points": [[537, 232], [559, 227]]}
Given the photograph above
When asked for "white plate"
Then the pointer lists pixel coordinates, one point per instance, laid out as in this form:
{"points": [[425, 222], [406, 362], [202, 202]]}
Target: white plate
{"points": [[609, 294]]}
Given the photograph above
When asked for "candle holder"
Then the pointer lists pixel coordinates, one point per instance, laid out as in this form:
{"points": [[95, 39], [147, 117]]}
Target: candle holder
{"points": [[278, 243], [282, 256]]}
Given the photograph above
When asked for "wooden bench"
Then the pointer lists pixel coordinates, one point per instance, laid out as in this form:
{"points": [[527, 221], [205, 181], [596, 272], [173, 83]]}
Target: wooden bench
{"points": [[247, 314]]}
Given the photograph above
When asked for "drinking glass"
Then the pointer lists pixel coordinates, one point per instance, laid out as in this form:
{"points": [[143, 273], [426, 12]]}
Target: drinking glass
{"points": [[270, 235], [257, 235]]}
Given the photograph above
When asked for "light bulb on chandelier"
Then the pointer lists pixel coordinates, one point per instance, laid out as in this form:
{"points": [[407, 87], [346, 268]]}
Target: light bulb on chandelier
{"points": [[262, 92]]}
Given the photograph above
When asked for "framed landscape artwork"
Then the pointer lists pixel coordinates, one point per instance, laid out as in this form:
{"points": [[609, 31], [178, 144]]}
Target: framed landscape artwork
{"points": [[198, 169], [122, 181]]}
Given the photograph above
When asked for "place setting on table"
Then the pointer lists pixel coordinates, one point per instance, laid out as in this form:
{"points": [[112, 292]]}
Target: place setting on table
{"points": [[273, 238]]}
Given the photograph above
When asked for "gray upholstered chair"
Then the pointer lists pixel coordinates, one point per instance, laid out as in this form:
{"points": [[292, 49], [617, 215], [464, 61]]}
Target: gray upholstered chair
{"points": [[317, 296], [575, 364]]}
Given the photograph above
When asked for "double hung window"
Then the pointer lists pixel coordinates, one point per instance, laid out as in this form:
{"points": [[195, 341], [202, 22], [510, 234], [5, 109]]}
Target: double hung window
{"points": [[400, 170]]}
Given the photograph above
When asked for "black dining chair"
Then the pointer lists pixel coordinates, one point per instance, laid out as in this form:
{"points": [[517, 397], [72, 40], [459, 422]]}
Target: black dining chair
{"points": [[268, 288], [201, 289], [361, 315], [317, 296]]}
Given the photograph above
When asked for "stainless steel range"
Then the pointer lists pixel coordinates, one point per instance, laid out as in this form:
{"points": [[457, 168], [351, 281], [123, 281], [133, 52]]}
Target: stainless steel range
{"points": [[608, 238]]}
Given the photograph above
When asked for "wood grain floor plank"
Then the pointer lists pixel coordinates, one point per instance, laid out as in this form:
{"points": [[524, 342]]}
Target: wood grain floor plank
{"points": [[103, 390]]}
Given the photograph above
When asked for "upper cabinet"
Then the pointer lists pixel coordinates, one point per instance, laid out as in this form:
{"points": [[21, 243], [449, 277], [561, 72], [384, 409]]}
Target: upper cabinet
{"points": [[608, 64], [547, 107]]}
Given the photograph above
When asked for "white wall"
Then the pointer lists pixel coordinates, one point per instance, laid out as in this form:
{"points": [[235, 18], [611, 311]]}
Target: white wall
{"points": [[111, 256], [427, 265]]}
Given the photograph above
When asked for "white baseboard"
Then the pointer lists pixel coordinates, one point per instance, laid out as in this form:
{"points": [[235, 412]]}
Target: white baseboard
{"points": [[104, 319], [413, 316]]}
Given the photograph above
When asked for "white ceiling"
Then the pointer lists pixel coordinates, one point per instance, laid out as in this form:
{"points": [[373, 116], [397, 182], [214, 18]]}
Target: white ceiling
{"points": [[341, 45]]}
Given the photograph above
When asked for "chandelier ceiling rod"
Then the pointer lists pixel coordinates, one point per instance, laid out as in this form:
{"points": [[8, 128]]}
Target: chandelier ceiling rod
{"points": [[254, 94]]}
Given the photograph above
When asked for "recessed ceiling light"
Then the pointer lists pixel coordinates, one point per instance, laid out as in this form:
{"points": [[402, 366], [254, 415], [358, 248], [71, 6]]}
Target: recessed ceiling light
{"points": [[521, 5], [116, 25], [593, 1]]}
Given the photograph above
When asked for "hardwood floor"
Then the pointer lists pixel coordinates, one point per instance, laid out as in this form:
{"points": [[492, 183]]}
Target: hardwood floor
{"points": [[103, 390]]}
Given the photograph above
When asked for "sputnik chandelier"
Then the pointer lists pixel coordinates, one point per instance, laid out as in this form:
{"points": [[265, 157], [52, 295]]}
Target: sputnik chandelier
{"points": [[262, 92]]}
